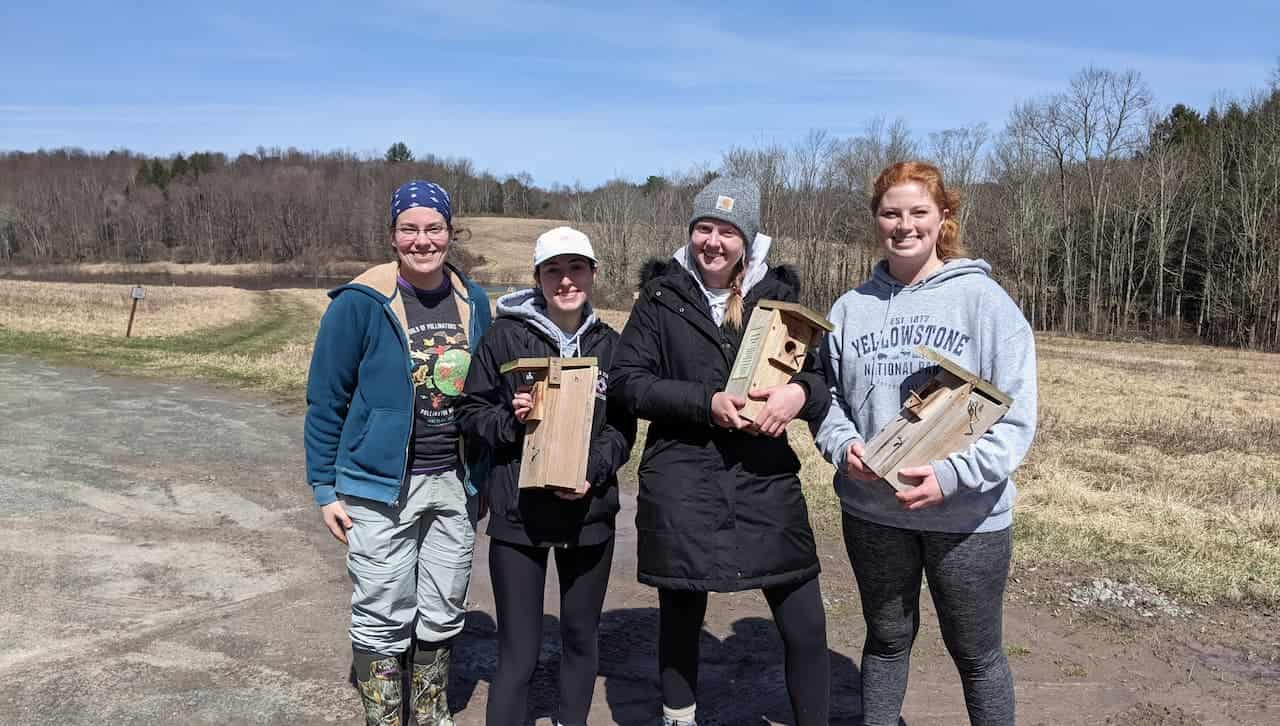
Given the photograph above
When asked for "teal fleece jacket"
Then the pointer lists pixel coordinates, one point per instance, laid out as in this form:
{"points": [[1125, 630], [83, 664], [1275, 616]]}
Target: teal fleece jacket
{"points": [[359, 392]]}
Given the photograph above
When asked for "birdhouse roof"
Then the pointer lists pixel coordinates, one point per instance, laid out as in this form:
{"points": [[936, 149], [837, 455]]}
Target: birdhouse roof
{"points": [[963, 373], [520, 365], [812, 317]]}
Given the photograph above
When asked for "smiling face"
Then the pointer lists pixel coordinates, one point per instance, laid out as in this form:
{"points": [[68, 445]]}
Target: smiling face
{"points": [[717, 246], [421, 238], [566, 281], [909, 223]]}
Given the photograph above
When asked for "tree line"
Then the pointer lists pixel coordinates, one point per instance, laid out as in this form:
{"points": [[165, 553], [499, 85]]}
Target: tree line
{"points": [[70, 205], [1100, 213]]}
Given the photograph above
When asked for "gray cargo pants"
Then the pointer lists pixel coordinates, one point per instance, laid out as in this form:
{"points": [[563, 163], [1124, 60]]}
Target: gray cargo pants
{"points": [[414, 559]]}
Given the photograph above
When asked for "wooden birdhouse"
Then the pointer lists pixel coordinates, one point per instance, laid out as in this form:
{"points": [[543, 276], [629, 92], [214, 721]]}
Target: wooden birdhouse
{"points": [[948, 414], [774, 345], [557, 435]]}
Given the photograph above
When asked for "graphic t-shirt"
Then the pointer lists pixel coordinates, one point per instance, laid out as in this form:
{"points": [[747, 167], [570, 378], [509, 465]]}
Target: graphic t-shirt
{"points": [[438, 346]]}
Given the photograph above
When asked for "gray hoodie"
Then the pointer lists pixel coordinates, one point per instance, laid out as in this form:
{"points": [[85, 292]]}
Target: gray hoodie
{"points": [[529, 305], [960, 312]]}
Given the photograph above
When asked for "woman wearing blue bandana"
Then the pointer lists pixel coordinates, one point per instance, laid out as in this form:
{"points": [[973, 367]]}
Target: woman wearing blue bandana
{"points": [[385, 460]]}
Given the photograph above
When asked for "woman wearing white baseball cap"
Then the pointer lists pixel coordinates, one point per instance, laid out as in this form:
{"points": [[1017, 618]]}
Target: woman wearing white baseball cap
{"points": [[552, 319]]}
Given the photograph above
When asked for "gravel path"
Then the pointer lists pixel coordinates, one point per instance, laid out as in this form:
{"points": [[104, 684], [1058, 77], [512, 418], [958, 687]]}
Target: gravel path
{"points": [[163, 564]]}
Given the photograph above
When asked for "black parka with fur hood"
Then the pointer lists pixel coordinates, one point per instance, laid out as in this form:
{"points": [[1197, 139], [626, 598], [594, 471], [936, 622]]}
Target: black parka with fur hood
{"points": [[718, 510]]}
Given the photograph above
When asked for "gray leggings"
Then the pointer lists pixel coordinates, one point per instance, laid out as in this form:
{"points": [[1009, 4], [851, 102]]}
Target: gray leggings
{"points": [[967, 574]]}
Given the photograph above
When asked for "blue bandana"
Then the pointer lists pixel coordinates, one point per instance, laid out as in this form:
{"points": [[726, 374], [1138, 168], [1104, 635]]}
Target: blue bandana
{"points": [[418, 193]]}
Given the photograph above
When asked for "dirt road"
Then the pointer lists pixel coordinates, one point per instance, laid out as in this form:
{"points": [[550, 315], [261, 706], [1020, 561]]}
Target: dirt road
{"points": [[163, 564]]}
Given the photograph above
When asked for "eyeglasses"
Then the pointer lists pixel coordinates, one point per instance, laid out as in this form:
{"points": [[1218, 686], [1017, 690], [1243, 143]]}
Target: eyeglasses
{"points": [[408, 233]]}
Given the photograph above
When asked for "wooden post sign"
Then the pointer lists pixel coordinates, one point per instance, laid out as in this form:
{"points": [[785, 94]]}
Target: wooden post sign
{"points": [[774, 345], [136, 293], [948, 414], [557, 436]]}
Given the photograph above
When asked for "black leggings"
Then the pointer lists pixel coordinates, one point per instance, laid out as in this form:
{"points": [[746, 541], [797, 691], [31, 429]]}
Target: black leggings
{"points": [[967, 574], [519, 573], [802, 623]]}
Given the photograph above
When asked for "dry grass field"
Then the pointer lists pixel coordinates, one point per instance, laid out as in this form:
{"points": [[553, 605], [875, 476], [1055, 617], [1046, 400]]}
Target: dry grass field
{"points": [[1163, 460], [253, 339], [507, 246], [99, 309], [194, 271], [1159, 463], [505, 243], [1155, 463]]}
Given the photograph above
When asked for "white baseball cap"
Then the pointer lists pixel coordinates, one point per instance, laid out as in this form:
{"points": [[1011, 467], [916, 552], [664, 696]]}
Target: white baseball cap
{"points": [[562, 241]]}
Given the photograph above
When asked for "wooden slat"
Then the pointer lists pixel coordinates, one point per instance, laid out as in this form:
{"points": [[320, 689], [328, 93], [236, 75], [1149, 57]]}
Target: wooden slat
{"points": [[528, 364], [961, 372], [553, 371], [557, 445], [797, 309]]}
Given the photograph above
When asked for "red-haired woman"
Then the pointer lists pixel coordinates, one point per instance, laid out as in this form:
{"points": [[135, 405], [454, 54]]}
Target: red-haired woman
{"points": [[954, 524]]}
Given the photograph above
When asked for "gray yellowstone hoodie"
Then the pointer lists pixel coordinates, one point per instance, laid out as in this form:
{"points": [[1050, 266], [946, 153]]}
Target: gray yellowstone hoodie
{"points": [[960, 312]]}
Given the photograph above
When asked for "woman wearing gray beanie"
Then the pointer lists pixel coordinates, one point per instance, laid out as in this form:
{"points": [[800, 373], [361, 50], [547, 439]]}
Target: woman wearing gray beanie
{"points": [[720, 508]]}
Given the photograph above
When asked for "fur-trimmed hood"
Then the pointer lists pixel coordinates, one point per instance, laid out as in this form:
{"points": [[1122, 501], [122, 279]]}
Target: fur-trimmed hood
{"points": [[657, 267]]}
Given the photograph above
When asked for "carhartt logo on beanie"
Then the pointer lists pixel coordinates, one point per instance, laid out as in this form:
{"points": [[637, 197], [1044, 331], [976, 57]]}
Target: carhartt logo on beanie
{"points": [[730, 199]]}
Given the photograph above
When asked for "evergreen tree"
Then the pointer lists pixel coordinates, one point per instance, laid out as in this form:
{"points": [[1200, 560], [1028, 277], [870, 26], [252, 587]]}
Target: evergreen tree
{"points": [[653, 184], [158, 175], [179, 167], [399, 152]]}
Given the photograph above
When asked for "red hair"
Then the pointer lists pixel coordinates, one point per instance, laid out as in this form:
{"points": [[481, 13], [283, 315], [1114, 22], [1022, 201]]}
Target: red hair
{"points": [[928, 176]]}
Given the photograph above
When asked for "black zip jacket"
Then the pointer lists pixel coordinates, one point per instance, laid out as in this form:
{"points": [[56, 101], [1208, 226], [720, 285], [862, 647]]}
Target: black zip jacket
{"points": [[718, 510], [537, 517]]}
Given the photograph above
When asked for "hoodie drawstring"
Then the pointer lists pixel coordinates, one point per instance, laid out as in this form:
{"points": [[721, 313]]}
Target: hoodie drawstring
{"points": [[889, 306]]}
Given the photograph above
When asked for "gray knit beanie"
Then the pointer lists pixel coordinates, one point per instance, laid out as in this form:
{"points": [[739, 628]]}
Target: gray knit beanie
{"points": [[730, 199]]}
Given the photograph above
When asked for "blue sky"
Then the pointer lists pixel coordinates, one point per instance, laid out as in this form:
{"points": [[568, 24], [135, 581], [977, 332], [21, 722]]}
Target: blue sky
{"points": [[582, 91]]}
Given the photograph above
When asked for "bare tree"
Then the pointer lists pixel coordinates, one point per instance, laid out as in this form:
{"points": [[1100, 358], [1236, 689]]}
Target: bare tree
{"points": [[1105, 112], [613, 215], [1172, 208], [1045, 124], [1021, 219], [957, 153]]}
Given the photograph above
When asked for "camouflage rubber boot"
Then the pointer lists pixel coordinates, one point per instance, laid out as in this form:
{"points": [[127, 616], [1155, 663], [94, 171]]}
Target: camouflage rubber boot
{"points": [[430, 686], [378, 680]]}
